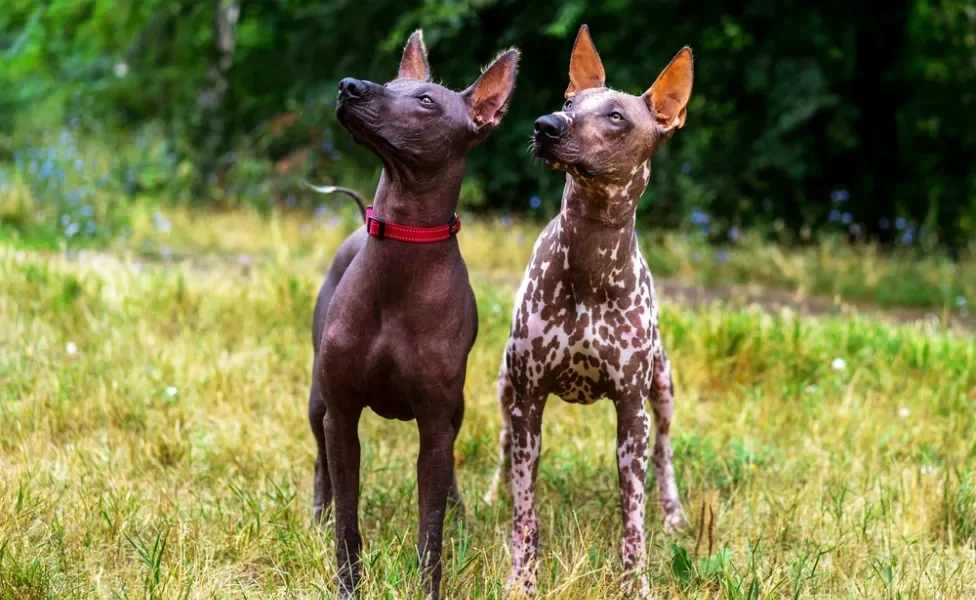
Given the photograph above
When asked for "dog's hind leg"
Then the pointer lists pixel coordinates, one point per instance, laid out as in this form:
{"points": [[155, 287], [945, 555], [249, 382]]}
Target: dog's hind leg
{"points": [[322, 485], [662, 404], [454, 501], [503, 475]]}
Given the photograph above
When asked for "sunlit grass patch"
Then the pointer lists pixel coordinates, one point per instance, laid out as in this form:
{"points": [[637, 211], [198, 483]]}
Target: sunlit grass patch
{"points": [[499, 247], [155, 443]]}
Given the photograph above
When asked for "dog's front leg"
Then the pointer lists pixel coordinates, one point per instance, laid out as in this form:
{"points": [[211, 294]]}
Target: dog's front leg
{"points": [[633, 429], [342, 442], [662, 403], [526, 418], [435, 477]]}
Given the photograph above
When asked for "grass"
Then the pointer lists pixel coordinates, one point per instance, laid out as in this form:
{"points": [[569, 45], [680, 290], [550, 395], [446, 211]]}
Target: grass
{"points": [[906, 277], [155, 445]]}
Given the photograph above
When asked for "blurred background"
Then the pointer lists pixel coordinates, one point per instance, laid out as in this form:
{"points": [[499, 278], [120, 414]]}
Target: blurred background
{"points": [[850, 120], [811, 231]]}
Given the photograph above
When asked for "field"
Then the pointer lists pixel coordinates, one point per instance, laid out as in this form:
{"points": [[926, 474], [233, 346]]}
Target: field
{"points": [[154, 440]]}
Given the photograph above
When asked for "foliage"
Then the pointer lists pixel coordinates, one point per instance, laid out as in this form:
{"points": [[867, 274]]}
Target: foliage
{"points": [[861, 126]]}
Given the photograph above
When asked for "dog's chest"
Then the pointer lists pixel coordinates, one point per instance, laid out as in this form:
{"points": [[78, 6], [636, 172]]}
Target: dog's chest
{"points": [[584, 338], [399, 358]]}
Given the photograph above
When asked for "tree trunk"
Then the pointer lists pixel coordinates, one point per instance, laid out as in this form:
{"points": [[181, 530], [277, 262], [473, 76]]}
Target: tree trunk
{"points": [[211, 100]]}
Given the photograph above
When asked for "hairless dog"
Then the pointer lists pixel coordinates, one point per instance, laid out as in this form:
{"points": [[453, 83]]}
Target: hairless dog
{"points": [[396, 316], [585, 324]]}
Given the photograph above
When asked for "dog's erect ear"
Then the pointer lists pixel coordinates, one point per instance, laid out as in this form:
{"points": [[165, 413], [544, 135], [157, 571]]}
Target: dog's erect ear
{"points": [[585, 67], [488, 97], [668, 97], [414, 65]]}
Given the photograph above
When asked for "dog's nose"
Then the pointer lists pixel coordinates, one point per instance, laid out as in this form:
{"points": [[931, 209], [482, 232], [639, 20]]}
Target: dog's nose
{"points": [[550, 125], [351, 87]]}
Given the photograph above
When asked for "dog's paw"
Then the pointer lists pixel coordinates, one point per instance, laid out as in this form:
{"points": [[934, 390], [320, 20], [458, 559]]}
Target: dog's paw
{"points": [[498, 483], [321, 515], [520, 585], [674, 523], [461, 524], [638, 588], [347, 595]]}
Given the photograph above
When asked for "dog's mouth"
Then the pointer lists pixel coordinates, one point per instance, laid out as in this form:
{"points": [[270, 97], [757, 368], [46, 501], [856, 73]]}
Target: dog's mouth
{"points": [[350, 115], [355, 117], [560, 159]]}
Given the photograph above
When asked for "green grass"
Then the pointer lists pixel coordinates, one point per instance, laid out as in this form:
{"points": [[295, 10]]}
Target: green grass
{"points": [[154, 443]]}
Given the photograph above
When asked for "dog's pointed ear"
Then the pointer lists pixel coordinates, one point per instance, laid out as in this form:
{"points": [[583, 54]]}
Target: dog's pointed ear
{"points": [[488, 97], [668, 97], [585, 66], [414, 65]]}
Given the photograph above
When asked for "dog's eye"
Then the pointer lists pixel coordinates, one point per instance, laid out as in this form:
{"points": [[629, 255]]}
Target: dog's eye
{"points": [[568, 105], [425, 99], [616, 117]]}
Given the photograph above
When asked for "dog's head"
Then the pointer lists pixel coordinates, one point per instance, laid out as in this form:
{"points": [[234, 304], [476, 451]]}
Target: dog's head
{"points": [[605, 134], [415, 124]]}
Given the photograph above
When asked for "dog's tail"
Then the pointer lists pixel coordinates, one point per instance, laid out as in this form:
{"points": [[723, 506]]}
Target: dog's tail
{"points": [[333, 189]]}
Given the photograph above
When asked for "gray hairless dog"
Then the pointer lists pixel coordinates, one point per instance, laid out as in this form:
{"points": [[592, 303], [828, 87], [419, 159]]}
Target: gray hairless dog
{"points": [[396, 316]]}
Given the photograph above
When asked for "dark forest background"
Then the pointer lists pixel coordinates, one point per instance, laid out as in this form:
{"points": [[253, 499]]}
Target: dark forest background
{"points": [[852, 117]]}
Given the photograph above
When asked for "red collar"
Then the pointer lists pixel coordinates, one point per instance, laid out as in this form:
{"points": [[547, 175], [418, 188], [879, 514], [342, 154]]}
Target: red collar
{"points": [[380, 229]]}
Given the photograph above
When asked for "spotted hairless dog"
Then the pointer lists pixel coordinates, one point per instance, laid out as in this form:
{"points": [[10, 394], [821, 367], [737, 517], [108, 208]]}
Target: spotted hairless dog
{"points": [[585, 324], [396, 317]]}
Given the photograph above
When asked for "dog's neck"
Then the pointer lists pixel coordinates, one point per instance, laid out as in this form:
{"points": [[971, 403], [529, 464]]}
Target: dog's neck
{"points": [[419, 199], [609, 203], [596, 226]]}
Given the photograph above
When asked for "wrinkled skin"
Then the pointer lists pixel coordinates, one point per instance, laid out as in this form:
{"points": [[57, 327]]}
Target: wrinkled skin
{"points": [[394, 322], [585, 323]]}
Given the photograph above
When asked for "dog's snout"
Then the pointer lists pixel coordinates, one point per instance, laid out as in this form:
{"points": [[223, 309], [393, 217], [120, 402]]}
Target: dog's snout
{"points": [[550, 125], [351, 87]]}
